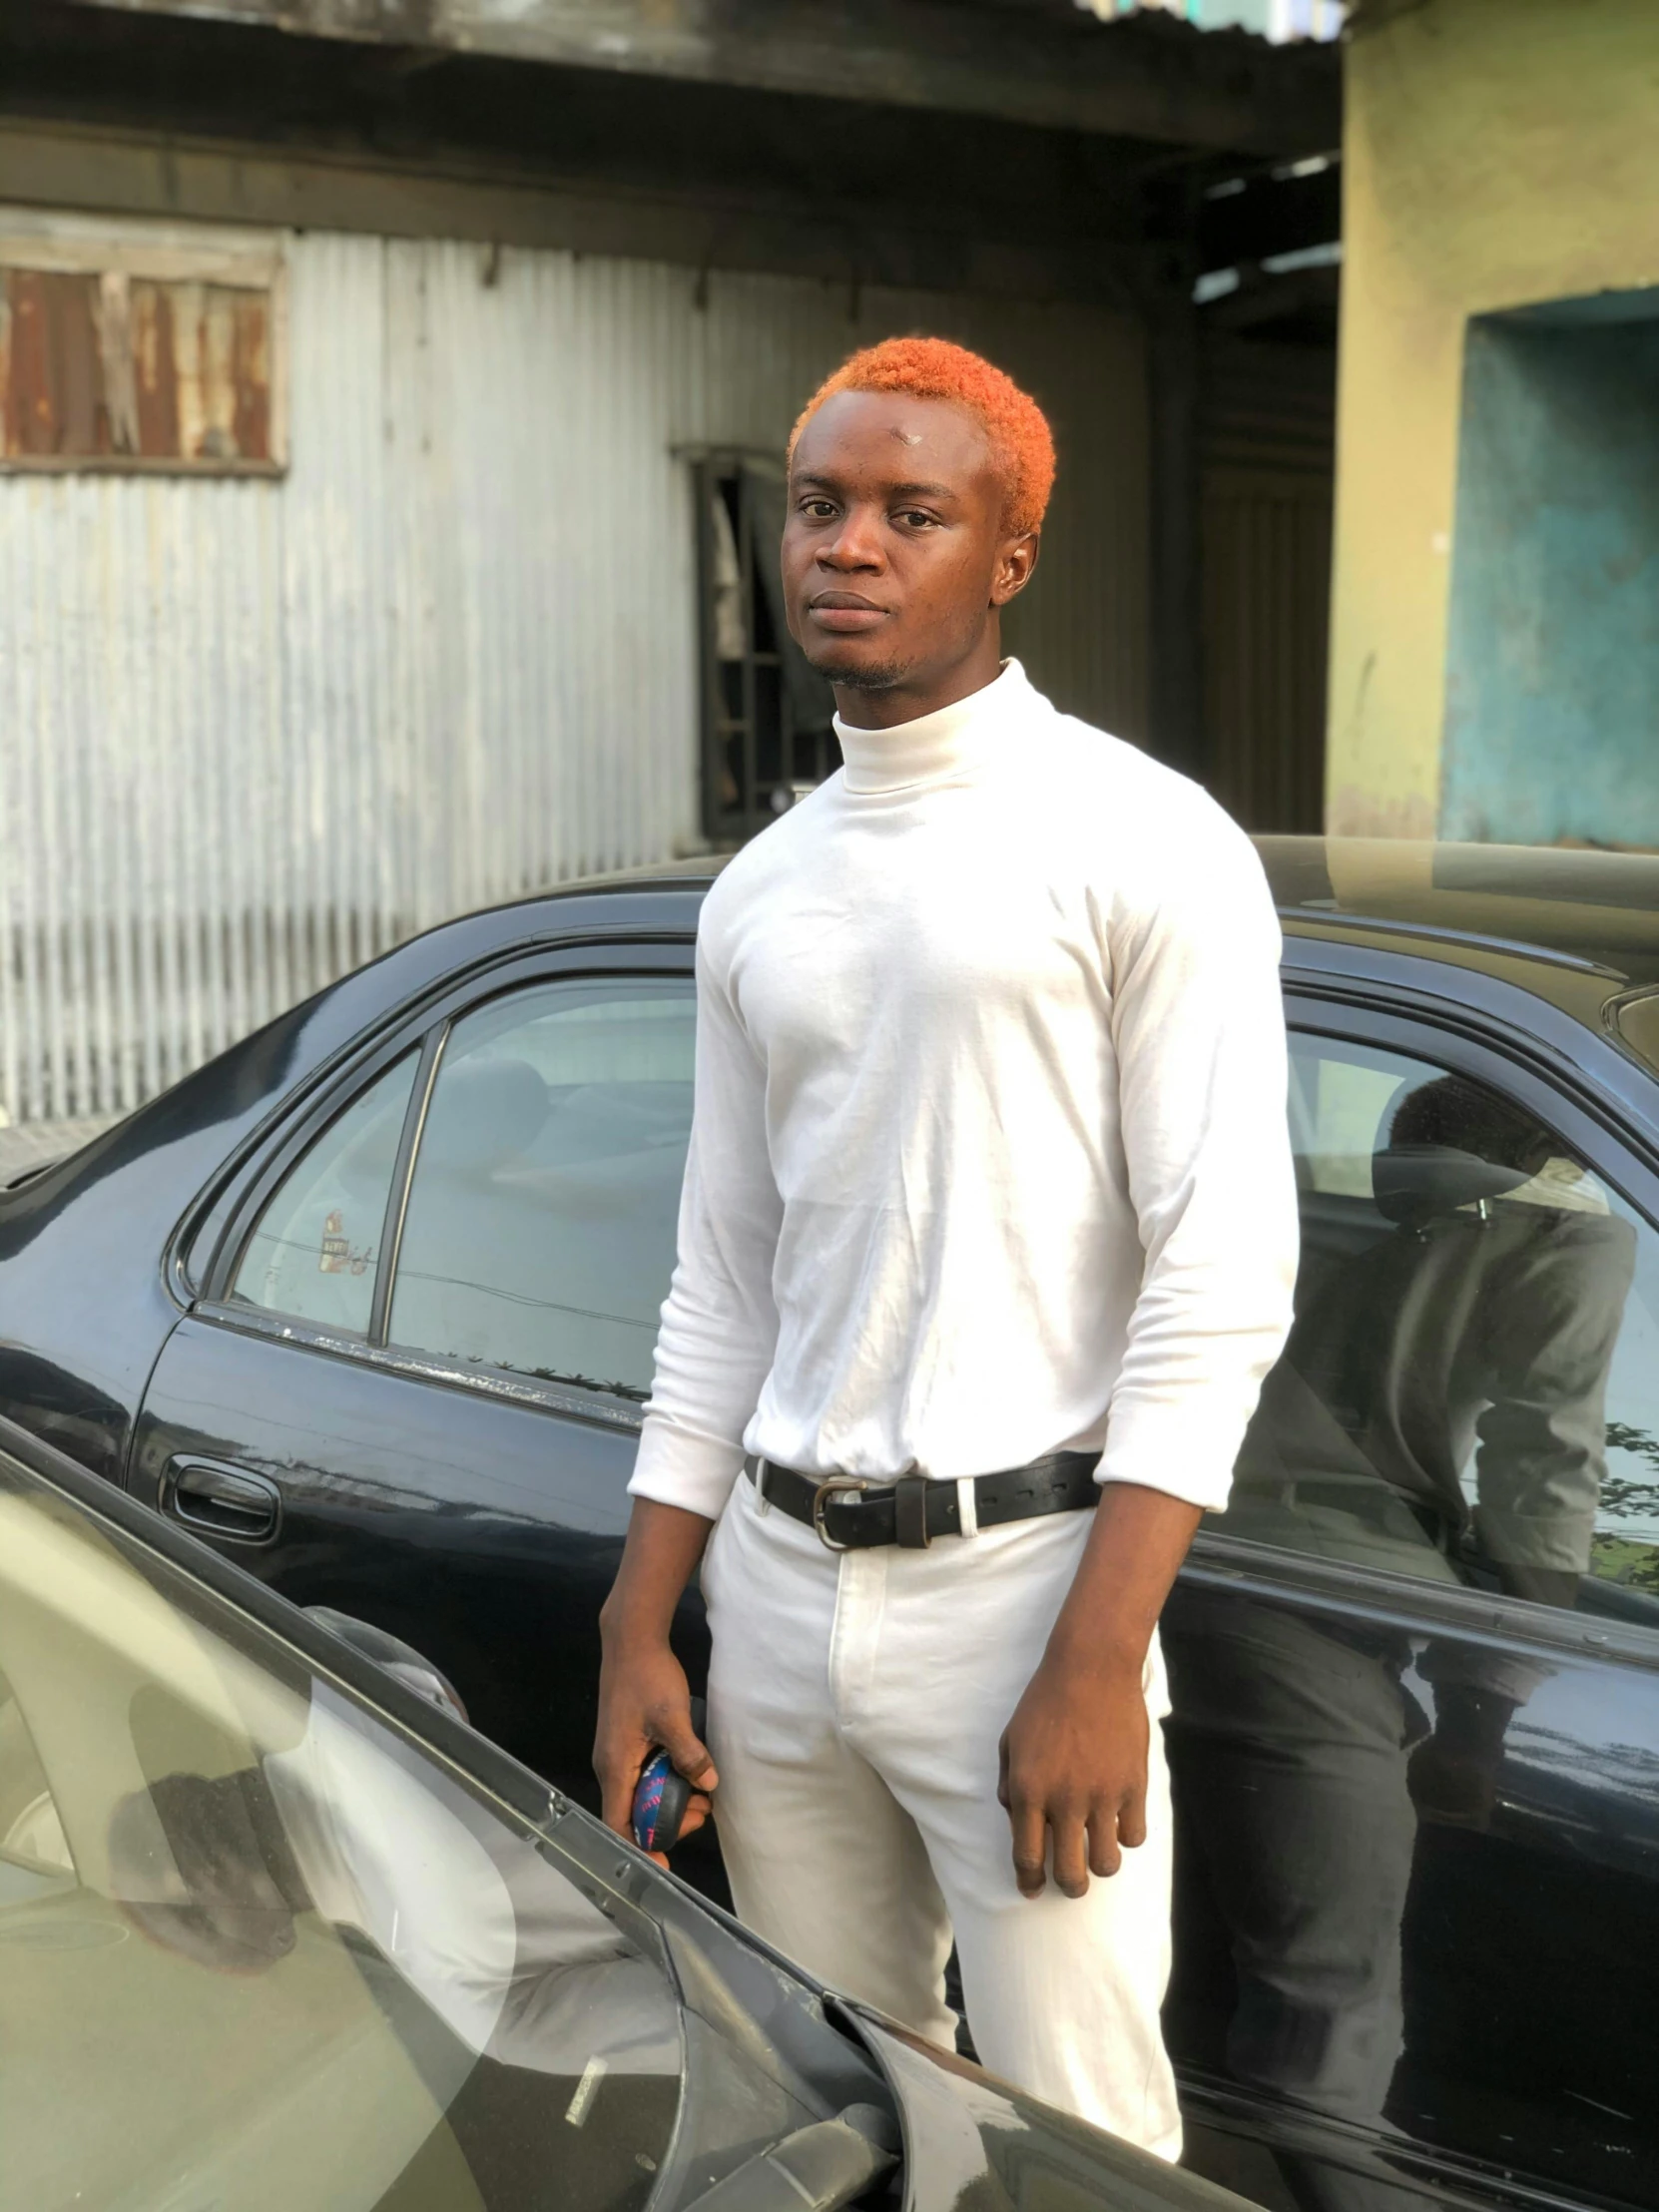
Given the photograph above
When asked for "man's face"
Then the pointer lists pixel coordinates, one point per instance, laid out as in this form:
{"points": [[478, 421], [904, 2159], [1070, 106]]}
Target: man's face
{"points": [[895, 553]]}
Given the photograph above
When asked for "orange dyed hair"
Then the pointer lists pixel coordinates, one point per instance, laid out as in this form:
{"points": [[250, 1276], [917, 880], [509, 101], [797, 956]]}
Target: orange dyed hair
{"points": [[1022, 445]]}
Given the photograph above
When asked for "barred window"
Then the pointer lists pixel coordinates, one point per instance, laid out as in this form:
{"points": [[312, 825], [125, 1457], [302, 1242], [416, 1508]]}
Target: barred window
{"points": [[767, 735]]}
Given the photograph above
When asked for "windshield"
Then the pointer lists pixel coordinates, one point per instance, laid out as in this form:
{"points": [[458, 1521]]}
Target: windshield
{"points": [[258, 1950]]}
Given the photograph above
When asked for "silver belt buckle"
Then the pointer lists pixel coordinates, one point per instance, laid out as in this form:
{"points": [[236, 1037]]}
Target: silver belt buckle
{"points": [[825, 1490]]}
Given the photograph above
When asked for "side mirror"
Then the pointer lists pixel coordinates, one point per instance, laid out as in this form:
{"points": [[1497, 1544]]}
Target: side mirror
{"points": [[393, 1655]]}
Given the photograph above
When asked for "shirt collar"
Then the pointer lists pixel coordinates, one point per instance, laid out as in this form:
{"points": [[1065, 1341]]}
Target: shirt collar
{"points": [[935, 748]]}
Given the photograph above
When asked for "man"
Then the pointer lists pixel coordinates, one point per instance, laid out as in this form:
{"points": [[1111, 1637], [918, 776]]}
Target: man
{"points": [[988, 1208]]}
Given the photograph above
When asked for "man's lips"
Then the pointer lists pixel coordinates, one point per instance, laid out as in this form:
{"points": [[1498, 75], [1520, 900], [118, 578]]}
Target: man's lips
{"points": [[844, 612]]}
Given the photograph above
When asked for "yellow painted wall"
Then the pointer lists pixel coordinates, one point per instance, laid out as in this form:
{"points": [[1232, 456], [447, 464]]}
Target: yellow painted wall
{"points": [[1499, 153]]}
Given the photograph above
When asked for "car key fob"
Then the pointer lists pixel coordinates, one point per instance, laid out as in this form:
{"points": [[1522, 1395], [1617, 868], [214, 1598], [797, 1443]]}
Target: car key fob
{"points": [[662, 1794]]}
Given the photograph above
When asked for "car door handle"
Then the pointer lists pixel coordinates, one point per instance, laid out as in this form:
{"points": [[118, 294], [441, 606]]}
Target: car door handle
{"points": [[222, 1501]]}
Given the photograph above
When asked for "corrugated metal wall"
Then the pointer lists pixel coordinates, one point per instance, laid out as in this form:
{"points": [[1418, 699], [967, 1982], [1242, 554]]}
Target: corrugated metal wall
{"points": [[252, 732]]}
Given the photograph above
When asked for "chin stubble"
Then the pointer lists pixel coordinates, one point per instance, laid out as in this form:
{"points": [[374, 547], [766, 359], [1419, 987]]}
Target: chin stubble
{"points": [[875, 676]]}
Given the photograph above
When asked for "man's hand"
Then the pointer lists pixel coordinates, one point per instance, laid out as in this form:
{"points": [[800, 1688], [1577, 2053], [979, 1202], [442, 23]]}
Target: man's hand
{"points": [[1073, 1758], [644, 1699], [1073, 1766]]}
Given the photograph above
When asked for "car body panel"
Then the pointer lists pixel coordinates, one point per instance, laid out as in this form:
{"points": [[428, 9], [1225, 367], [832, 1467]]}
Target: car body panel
{"points": [[483, 1529]]}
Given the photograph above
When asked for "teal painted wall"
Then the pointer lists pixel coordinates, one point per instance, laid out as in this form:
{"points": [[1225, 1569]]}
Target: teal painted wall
{"points": [[1552, 661]]}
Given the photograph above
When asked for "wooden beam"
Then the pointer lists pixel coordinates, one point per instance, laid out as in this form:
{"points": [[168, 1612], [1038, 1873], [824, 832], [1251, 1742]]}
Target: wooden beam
{"points": [[171, 176], [1044, 62]]}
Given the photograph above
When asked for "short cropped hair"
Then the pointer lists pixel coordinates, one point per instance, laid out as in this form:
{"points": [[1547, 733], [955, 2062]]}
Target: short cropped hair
{"points": [[1022, 445]]}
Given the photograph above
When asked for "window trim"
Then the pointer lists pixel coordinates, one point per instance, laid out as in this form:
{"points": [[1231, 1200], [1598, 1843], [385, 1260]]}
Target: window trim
{"points": [[1236, 1562], [402, 1177], [427, 1028]]}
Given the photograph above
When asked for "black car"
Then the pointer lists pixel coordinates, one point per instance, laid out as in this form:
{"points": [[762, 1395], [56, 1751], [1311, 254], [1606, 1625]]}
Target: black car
{"points": [[275, 1935], [370, 1305]]}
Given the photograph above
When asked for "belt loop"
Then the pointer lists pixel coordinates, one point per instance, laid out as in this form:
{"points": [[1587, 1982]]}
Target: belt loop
{"points": [[763, 1503], [968, 1505], [910, 1513]]}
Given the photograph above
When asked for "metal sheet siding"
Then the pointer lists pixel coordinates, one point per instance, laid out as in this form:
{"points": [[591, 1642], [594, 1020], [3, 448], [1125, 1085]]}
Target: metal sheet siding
{"points": [[252, 732]]}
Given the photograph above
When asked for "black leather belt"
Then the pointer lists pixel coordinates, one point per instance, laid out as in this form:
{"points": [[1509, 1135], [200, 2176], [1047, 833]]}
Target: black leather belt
{"points": [[848, 1512]]}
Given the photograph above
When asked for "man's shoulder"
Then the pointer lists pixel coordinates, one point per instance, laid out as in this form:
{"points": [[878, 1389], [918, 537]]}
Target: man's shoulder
{"points": [[769, 858], [1140, 808]]}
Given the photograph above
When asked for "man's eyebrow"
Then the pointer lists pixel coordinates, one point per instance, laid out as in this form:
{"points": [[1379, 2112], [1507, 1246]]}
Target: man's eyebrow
{"points": [[894, 492]]}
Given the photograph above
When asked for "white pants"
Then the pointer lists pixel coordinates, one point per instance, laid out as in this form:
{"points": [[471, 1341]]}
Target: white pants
{"points": [[856, 1702]]}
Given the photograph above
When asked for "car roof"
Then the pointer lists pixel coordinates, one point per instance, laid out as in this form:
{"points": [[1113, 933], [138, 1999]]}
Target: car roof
{"points": [[1594, 909]]}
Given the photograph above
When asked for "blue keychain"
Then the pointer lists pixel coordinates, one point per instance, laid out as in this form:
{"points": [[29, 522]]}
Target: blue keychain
{"points": [[662, 1794]]}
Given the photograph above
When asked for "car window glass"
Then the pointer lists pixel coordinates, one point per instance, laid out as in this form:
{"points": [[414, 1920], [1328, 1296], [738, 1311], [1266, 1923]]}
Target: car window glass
{"points": [[250, 1933], [540, 1229], [315, 1249], [1471, 1391]]}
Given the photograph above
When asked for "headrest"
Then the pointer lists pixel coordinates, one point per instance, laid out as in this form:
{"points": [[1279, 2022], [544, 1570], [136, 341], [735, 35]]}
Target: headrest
{"points": [[1414, 1182], [484, 1113]]}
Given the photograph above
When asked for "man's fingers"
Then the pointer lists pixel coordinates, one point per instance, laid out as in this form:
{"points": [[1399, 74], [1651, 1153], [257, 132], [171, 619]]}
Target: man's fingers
{"points": [[1071, 1858], [1104, 1835], [1132, 1820], [1002, 1770], [1030, 1845], [689, 1754]]}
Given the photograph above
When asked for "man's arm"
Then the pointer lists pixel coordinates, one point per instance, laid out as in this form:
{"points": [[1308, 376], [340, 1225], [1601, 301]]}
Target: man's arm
{"points": [[1199, 1031], [644, 1699], [1074, 1754], [719, 1330]]}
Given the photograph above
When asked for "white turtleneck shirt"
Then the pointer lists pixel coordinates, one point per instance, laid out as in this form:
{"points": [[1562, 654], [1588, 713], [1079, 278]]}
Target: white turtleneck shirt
{"points": [[988, 1150]]}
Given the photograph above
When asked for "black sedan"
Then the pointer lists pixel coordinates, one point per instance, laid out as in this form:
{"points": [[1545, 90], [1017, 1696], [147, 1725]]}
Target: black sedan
{"points": [[277, 1936], [370, 1305]]}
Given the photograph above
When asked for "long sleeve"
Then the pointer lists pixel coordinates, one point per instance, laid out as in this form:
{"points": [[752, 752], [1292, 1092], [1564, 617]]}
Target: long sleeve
{"points": [[720, 1322], [1198, 1032], [1551, 1324]]}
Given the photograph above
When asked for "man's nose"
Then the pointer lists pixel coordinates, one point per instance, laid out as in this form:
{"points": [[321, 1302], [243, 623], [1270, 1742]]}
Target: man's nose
{"points": [[856, 544]]}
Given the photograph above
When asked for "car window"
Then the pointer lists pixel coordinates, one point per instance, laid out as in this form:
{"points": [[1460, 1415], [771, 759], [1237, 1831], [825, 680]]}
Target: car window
{"points": [[540, 1229], [1470, 1390], [252, 1935], [315, 1252]]}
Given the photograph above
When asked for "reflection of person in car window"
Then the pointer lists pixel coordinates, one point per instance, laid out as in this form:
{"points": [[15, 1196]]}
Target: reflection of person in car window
{"points": [[1484, 1323], [514, 1960], [1487, 1322], [1480, 1323]]}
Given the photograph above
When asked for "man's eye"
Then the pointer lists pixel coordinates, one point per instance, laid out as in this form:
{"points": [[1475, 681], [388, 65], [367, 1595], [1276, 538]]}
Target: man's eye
{"points": [[817, 510], [914, 519]]}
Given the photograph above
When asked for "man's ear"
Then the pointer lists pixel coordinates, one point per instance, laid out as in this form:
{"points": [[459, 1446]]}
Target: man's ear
{"points": [[1015, 563]]}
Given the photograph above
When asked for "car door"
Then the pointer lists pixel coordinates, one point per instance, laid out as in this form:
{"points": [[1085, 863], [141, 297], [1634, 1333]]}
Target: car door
{"points": [[410, 1387], [1415, 1667]]}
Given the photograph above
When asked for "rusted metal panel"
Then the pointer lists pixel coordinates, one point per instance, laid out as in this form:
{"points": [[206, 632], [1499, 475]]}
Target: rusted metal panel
{"points": [[107, 369], [254, 731]]}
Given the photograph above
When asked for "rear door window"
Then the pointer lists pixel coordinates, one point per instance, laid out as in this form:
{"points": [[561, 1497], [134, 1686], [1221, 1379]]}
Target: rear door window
{"points": [[539, 1233], [315, 1249]]}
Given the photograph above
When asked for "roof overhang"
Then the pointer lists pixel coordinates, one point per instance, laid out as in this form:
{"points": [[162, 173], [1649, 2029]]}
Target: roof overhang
{"points": [[1048, 63]]}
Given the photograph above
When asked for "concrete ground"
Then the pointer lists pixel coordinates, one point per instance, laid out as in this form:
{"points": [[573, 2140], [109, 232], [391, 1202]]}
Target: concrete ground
{"points": [[28, 1144]]}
